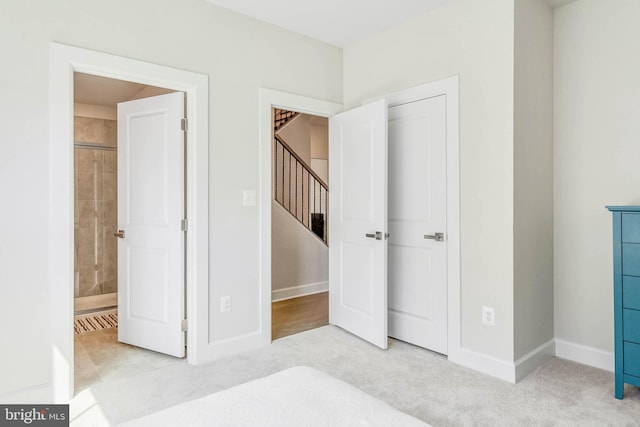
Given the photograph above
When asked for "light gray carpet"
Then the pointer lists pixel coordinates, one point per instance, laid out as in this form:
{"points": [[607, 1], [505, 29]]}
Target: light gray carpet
{"points": [[413, 380]]}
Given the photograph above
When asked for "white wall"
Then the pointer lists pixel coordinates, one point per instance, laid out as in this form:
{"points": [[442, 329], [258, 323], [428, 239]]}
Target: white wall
{"points": [[533, 176], [475, 40], [300, 260], [191, 35], [597, 147]]}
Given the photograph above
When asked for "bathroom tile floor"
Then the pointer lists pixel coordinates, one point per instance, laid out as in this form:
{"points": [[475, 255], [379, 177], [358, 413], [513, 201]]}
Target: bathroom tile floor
{"points": [[100, 357]]}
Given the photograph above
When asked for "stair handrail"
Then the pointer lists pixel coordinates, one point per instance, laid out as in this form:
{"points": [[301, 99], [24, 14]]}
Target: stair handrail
{"points": [[304, 164]]}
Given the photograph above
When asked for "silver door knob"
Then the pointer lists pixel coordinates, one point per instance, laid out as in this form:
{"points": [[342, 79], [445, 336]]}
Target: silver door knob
{"points": [[119, 234], [438, 237], [377, 235]]}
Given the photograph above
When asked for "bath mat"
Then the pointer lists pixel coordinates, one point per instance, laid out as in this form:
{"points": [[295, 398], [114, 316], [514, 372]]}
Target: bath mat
{"points": [[95, 322]]}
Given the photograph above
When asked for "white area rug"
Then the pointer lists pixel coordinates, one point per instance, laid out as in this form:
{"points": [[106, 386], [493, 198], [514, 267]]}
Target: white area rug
{"points": [[296, 397]]}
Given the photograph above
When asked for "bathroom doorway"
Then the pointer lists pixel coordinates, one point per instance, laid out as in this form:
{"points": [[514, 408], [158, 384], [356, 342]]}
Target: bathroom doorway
{"points": [[95, 169]]}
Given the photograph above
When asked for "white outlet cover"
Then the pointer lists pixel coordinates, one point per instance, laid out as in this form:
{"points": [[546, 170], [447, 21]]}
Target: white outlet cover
{"points": [[488, 315], [249, 198]]}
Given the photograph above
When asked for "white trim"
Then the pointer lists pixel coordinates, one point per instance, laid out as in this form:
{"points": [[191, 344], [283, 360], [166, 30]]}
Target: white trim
{"points": [[498, 368], [449, 88], [534, 359], [269, 99], [503, 369], [37, 393], [299, 291], [234, 345], [64, 61], [584, 354]]}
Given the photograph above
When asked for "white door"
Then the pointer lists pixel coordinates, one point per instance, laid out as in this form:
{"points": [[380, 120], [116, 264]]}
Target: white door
{"points": [[150, 211], [358, 212], [417, 212]]}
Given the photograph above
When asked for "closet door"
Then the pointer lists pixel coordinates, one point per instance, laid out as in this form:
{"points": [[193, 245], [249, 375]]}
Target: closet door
{"points": [[358, 212], [417, 223]]}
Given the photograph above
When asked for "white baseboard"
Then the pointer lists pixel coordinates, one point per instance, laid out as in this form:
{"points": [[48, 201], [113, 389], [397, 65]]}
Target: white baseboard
{"points": [[534, 359], [232, 346], [489, 365], [41, 393], [95, 301], [584, 354], [299, 291], [505, 370]]}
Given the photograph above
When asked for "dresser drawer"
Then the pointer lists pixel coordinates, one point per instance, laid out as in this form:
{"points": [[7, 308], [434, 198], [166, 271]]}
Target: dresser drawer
{"points": [[631, 359], [631, 259], [631, 325], [631, 292], [631, 227]]}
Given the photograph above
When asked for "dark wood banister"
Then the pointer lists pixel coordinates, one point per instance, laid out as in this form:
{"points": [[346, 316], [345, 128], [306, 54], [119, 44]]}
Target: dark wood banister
{"points": [[302, 162]]}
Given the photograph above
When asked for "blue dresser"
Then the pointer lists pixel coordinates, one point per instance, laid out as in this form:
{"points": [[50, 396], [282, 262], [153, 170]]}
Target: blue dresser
{"points": [[626, 295]]}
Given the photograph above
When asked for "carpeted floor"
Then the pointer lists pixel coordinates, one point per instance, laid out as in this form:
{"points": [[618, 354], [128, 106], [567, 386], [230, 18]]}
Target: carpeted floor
{"points": [[95, 322], [413, 380]]}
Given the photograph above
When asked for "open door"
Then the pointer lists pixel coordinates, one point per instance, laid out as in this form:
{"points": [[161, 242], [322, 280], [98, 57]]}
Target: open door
{"points": [[150, 212], [358, 212]]}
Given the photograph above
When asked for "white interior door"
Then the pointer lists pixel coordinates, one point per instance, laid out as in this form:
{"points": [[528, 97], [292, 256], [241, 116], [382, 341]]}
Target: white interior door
{"points": [[150, 211], [417, 211], [358, 212]]}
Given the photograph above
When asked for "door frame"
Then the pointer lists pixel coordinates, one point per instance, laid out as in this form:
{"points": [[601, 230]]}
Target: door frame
{"points": [[448, 86], [275, 99], [64, 61]]}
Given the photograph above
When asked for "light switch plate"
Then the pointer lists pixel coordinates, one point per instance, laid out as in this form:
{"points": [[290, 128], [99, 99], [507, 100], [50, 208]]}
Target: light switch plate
{"points": [[249, 198]]}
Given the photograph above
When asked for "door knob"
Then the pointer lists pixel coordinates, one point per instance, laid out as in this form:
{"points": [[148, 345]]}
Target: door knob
{"points": [[438, 237], [377, 235], [119, 234]]}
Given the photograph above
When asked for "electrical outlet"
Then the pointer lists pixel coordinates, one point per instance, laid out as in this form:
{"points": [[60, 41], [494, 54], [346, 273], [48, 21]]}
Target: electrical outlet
{"points": [[225, 304], [488, 315]]}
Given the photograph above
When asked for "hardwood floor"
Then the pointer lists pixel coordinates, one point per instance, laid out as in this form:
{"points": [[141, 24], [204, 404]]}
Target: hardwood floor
{"points": [[300, 314]]}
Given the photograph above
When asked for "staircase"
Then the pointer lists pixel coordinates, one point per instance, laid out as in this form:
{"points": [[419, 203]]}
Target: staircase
{"points": [[297, 188], [282, 117]]}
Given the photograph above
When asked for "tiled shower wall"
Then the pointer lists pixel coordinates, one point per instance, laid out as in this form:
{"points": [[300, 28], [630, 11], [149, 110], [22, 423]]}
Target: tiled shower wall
{"points": [[96, 210]]}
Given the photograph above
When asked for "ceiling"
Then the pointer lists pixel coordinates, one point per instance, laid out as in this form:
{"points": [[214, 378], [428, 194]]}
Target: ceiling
{"points": [[95, 90], [337, 22], [106, 92]]}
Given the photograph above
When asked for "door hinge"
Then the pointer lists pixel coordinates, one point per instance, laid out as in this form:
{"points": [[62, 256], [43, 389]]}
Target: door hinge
{"points": [[184, 124], [184, 224], [185, 325]]}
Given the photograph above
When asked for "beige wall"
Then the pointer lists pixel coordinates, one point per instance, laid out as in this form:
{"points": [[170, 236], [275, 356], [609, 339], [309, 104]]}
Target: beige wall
{"points": [[320, 138], [597, 147], [474, 40], [299, 258], [533, 176], [297, 133], [238, 54]]}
